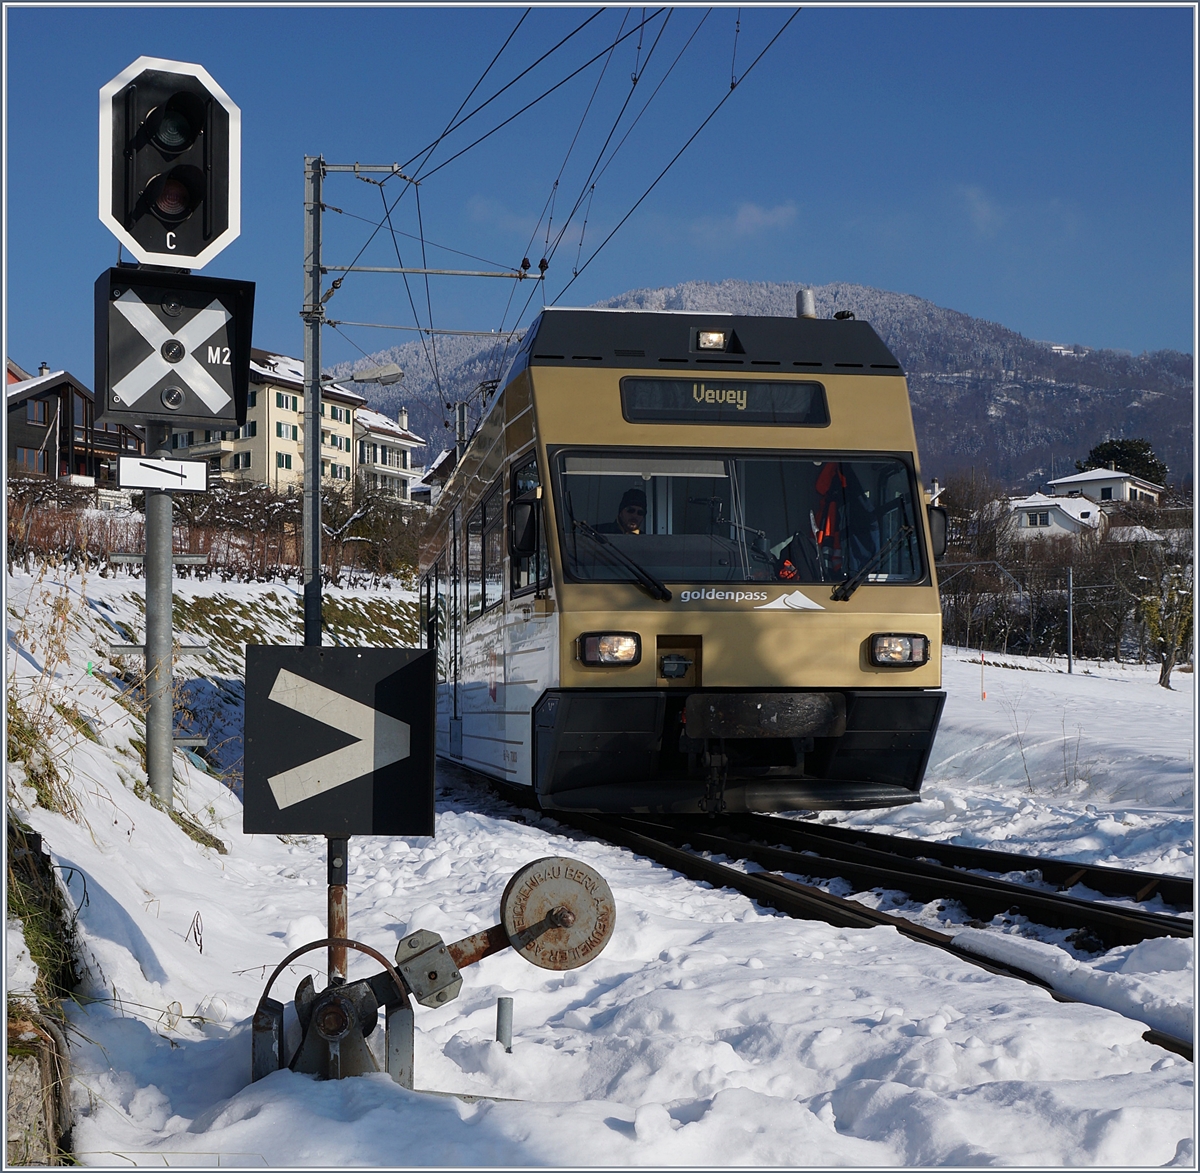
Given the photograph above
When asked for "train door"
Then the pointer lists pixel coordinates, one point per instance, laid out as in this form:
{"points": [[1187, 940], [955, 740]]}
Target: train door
{"points": [[531, 633], [457, 611]]}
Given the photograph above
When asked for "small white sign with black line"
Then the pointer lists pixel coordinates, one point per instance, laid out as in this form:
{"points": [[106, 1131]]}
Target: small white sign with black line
{"points": [[180, 476]]}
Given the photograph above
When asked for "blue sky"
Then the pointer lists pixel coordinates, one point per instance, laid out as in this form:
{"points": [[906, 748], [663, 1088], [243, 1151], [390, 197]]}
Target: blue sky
{"points": [[1031, 166]]}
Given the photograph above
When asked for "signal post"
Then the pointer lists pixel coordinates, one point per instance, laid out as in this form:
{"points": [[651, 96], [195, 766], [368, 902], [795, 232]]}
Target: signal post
{"points": [[171, 349]]}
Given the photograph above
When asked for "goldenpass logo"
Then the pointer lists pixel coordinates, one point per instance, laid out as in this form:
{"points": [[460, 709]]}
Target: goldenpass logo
{"points": [[713, 593]]}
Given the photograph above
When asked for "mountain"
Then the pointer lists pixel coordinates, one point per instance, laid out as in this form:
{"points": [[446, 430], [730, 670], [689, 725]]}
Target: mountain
{"points": [[983, 396]]}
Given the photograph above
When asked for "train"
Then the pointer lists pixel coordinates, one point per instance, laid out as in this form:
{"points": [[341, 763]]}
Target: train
{"points": [[685, 564]]}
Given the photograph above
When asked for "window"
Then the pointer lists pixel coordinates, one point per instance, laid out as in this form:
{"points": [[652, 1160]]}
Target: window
{"points": [[252, 399], [214, 463], [283, 460], [287, 402], [240, 460], [711, 516], [36, 412], [183, 439], [211, 436], [82, 412], [1106, 494], [404, 458], [31, 460], [286, 431], [485, 554], [248, 429], [531, 572], [1040, 519]]}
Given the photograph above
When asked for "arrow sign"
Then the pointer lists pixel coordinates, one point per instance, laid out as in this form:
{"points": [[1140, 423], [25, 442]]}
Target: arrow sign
{"points": [[382, 740], [338, 741]]}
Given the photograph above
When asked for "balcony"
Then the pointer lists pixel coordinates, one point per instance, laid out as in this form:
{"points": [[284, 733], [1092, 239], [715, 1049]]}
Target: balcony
{"points": [[205, 450]]}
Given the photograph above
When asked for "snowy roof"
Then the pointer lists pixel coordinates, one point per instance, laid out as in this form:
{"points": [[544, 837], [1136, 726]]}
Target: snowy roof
{"points": [[285, 370], [376, 421], [1079, 509], [441, 467], [1133, 533], [1102, 474], [26, 387]]}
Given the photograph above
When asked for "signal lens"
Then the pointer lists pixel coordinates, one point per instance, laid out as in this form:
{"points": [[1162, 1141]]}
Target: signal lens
{"points": [[897, 651], [174, 131], [711, 340], [173, 199], [610, 647]]}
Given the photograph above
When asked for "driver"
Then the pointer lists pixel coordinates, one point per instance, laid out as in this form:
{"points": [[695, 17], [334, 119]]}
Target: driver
{"points": [[631, 515]]}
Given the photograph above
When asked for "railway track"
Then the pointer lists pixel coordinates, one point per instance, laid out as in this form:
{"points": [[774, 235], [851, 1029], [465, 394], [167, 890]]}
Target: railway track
{"points": [[926, 871], [668, 843]]}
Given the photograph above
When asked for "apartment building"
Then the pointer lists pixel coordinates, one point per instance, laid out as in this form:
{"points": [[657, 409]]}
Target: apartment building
{"points": [[384, 452], [269, 447]]}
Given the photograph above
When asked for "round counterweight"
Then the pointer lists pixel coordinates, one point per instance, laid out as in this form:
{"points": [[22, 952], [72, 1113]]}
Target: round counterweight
{"points": [[558, 913]]}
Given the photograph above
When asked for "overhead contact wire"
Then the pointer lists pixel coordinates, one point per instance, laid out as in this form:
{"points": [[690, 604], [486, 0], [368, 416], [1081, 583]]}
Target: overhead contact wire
{"points": [[676, 157], [541, 97], [600, 155], [387, 213]]}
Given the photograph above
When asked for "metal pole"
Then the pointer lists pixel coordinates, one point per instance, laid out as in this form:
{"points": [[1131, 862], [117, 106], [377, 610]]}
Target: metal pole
{"points": [[1070, 618], [460, 429], [313, 313], [504, 1007], [160, 701], [339, 909]]}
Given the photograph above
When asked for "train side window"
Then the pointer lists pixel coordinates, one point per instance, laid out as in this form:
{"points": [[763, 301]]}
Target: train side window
{"points": [[485, 555], [475, 564], [530, 571], [493, 548], [439, 619]]}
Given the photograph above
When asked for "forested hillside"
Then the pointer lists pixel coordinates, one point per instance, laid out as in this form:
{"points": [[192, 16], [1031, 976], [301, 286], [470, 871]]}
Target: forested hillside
{"points": [[983, 396]]}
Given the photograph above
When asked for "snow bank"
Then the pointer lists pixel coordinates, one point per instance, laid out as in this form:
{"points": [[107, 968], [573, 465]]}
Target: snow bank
{"points": [[709, 1032], [1118, 981]]}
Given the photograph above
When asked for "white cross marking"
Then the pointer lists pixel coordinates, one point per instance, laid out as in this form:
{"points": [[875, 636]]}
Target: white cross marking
{"points": [[202, 327]]}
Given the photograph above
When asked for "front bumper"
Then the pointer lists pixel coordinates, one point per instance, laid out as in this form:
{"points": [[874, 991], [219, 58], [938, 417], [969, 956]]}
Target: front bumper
{"points": [[611, 750]]}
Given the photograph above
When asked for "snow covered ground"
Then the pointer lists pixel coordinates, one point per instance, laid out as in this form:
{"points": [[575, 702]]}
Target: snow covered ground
{"points": [[710, 1032]]}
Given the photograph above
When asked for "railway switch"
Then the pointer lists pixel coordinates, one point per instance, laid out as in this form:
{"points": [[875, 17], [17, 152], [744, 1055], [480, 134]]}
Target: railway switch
{"points": [[558, 913]]}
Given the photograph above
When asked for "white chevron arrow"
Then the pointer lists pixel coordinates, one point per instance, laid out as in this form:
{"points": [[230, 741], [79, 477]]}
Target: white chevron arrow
{"points": [[382, 740]]}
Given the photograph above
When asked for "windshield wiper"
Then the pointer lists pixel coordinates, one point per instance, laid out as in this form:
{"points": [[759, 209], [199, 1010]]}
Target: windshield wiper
{"points": [[844, 590], [655, 588]]}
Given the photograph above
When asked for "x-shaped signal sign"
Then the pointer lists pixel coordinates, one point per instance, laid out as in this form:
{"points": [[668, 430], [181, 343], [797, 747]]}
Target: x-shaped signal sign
{"points": [[188, 339]]}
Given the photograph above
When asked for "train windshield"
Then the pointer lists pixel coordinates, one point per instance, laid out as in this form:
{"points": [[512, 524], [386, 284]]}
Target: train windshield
{"points": [[712, 517]]}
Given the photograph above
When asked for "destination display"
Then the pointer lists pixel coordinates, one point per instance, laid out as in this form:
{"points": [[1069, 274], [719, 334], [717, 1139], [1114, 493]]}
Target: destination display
{"points": [[790, 403]]}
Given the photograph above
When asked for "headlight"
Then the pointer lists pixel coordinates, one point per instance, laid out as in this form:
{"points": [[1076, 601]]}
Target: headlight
{"points": [[610, 647], [889, 651]]}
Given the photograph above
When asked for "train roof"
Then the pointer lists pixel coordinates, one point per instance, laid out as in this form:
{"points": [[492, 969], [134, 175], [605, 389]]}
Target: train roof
{"points": [[669, 340]]}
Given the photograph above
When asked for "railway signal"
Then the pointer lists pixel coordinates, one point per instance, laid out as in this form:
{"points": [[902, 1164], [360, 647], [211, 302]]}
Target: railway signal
{"points": [[170, 163], [172, 348]]}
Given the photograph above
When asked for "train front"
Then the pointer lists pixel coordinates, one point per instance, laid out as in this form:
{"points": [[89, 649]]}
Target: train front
{"points": [[743, 563]]}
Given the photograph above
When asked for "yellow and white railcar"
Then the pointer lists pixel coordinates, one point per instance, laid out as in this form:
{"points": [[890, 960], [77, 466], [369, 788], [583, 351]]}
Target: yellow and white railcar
{"points": [[685, 563]]}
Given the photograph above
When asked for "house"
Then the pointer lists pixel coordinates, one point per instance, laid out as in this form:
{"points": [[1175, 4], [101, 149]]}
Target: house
{"points": [[385, 448], [1039, 516], [52, 431], [427, 490], [1107, 484], [269, 447]]}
